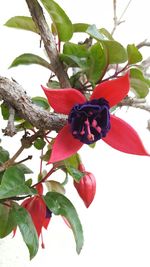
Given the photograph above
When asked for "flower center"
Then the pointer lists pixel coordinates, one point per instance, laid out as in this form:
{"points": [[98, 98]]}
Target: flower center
{"points": [[90, 121]]}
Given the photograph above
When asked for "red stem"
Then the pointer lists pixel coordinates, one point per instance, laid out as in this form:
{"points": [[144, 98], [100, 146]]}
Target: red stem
{"points": [[45, 177]]}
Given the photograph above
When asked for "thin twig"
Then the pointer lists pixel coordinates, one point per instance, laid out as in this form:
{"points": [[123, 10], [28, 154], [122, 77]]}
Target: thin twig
{"points": [[117, 21], [23, 160], [135, 103], [143, 44], [10, 130]]}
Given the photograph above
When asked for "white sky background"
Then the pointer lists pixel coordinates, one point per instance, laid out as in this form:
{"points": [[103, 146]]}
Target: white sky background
{"points": [[117, 225]]}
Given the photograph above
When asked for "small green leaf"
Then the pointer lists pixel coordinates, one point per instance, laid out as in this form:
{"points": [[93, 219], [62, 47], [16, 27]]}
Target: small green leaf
{"points": [[54, 186], [28, 59], [53, 84], [97, 62], [75, 55], [22, 23], [139, 87], [27, 229], [7, 223], [116, 53], [4, 155], [13, 184], [39, 143], [106, 33], [134, 54], [72, 164], [60, 205], [5, 112], [95, 33], [41, 102], [60, 20], [24, 168], [80, 27]]}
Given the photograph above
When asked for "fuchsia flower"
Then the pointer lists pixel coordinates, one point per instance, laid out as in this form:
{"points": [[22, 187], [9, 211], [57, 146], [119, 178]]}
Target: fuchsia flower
{"points": [[40, 214], [86, 187], [89, 121]]}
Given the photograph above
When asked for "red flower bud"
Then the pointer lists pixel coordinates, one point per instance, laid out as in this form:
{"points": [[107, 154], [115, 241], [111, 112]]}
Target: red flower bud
{"points": [[86, 188]]}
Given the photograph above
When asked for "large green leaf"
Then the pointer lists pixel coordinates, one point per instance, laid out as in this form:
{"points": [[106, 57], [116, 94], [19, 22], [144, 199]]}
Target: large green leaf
{"points": [[7, 222], [97, 62], [134, 54], [60, 19], [28, 59], [60, 205], [71, 165], [116, 53], [27, 229], [13, 184], [22, 22]]}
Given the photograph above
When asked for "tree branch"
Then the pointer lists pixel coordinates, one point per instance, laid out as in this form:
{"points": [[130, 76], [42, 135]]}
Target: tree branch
{"points": [[135, 103], [49, 43], [15, 95]]}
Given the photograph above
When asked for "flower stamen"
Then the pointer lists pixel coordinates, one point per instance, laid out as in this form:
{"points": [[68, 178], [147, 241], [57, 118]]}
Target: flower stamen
{"points": [[90, 136]]}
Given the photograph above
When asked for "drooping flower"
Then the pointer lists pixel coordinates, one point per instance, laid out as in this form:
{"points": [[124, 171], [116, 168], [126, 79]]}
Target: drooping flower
{"points": [[40, 214], [86, 187], [89, 121]]}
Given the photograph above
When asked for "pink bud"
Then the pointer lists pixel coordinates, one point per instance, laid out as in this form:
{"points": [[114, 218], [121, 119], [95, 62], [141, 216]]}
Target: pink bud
{"points": [[86, 188]]}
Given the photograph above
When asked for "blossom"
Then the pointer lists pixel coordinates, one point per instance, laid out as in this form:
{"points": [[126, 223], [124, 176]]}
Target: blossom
{"points": [[86, 187], [89, 121], [38, 210]]}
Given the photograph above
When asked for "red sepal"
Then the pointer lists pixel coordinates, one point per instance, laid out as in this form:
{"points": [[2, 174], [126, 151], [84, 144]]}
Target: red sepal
{"points": [[37, 209], [124, 138], [65, 145], [86, 188], [113, 91], [62, 100]]}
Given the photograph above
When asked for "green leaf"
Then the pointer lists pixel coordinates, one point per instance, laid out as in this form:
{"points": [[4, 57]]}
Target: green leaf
{"points": [[71, 165], [7, 222], [97, 62], [75, 55], [53, 84], [55, 186], [22, 22], [4, 155], [95, 33], [39, 143], [41, 102], [5, 112], [28, 59], [134, 54], [136, 76], [13, 184], [60, 20], [139, 87], [106, 33], [77, 50], [60, 205], [27, 229], [116, 53], [24, 168], [80, 27]]}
